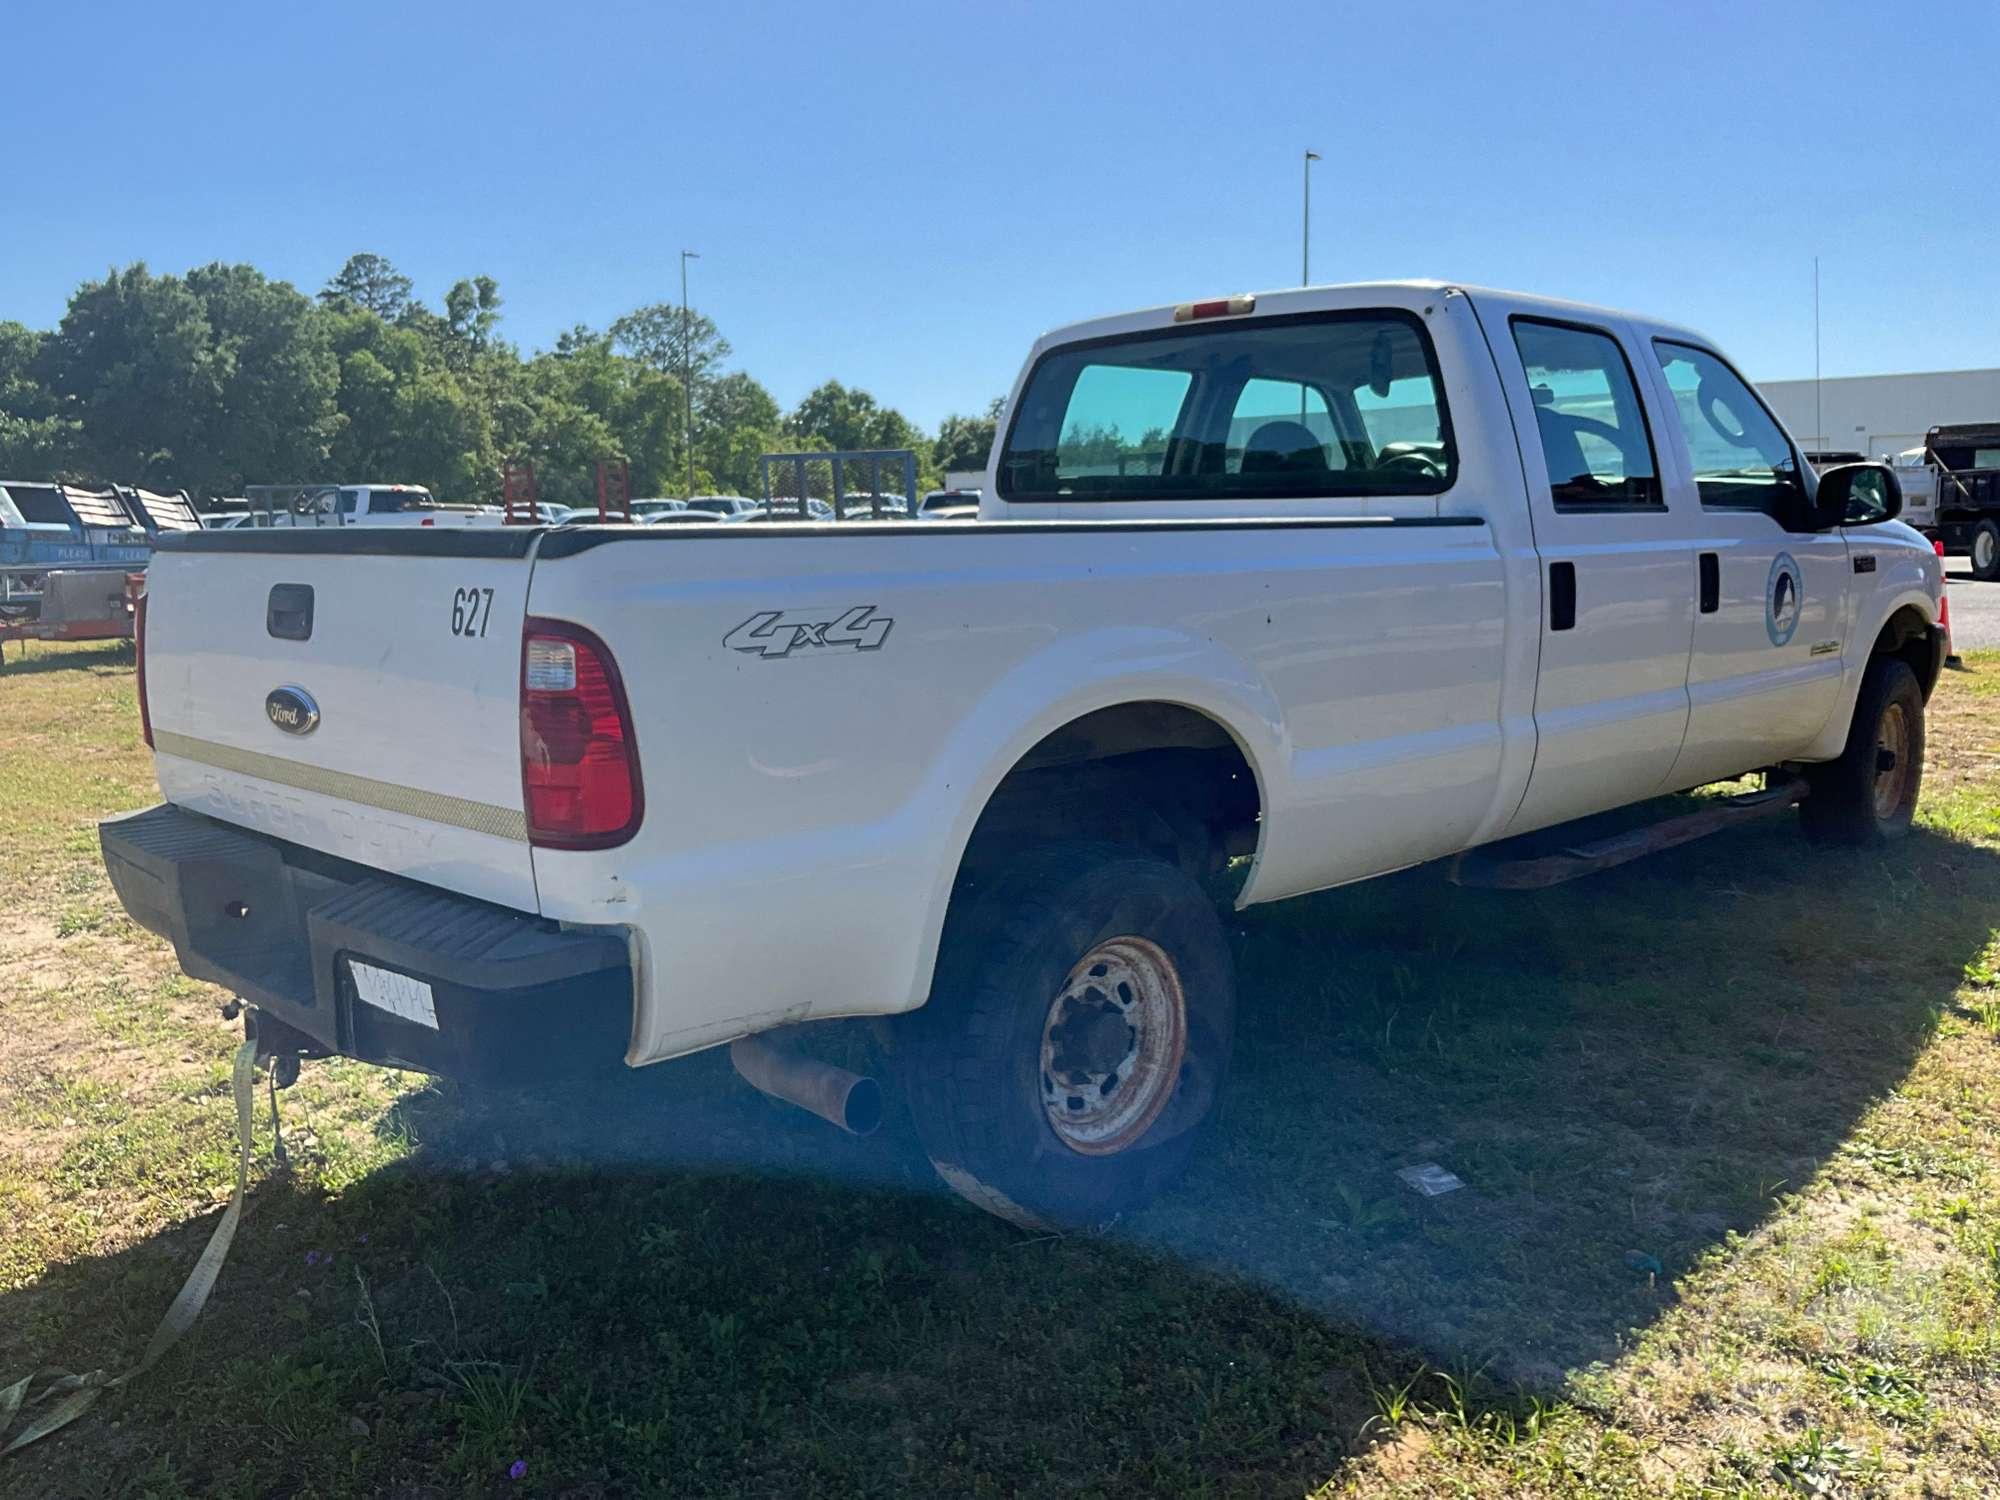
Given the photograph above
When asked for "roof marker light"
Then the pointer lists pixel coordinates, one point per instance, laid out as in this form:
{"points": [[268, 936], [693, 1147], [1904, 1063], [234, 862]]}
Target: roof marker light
{"points": [[1218, 307]]}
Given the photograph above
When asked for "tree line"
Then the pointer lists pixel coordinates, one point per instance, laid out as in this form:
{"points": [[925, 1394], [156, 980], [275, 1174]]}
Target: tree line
{"points": [[222, 377]]}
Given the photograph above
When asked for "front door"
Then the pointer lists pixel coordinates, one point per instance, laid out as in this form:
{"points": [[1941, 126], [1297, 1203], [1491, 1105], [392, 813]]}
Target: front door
{"points": [[1618, 578], [1772, 613]]}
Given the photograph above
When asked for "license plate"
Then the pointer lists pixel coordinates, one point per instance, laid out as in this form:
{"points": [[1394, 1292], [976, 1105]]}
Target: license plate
{"points": [[400, 995]]}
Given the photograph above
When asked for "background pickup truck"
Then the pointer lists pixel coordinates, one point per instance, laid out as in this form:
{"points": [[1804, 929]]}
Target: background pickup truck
{"points": [[1286, 590], [359, 505]]}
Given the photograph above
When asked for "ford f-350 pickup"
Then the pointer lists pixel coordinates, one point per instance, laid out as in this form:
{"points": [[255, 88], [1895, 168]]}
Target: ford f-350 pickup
{"points": [[1305, 586]]}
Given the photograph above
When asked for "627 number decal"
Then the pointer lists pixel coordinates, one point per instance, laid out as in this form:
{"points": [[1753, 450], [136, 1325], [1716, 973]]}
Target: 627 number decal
{"points": [[471, 611]]}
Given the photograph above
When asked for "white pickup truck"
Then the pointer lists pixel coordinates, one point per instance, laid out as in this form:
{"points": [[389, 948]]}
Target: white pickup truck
{"points": [[1295, 589], [323, 505]]}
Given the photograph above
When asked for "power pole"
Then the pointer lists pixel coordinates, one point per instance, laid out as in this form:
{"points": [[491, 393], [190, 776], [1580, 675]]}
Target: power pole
{"points": [[1306, 246], [687, 372], [1819, 418], [1306, 224]]}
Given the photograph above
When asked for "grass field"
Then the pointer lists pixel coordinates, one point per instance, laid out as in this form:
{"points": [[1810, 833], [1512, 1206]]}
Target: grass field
{"points": [[1729, 1124]]}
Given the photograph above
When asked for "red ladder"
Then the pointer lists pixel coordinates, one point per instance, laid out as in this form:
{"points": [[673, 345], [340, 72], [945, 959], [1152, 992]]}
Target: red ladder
{"points": [[517, 495], [614, 490]]}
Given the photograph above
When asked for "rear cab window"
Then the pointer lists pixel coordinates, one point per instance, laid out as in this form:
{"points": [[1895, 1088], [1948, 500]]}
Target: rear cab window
{"points": [[1305, 406]]}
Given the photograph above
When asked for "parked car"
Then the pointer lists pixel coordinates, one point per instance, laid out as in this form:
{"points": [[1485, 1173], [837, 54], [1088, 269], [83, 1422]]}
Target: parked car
{"points": [[723, 505], [684, 517], [652, 507], [223, 509], [1519, 562], [872, 507], [949, 505], [815, 510]]}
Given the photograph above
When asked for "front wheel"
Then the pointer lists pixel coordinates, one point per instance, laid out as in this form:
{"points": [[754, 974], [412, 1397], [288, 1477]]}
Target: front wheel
{"points": [[1985, 551], [1077, 1035], [1869, 795]]}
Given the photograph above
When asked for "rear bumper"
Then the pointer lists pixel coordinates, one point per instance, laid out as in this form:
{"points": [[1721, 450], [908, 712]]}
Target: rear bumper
{"points": [[511, 998]]}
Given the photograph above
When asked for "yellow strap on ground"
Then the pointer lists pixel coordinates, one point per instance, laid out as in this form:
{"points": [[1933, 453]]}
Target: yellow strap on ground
{"points": [[77, 1392]]}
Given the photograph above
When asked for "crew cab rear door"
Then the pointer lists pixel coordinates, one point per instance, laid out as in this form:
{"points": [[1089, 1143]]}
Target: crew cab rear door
{"points": [[1618, 572], [355, 690]]}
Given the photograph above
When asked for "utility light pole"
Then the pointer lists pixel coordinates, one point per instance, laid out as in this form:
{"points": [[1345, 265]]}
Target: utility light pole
{"points": [[1819, 419], [687, 372], [1306, 224], [1306, 247]]}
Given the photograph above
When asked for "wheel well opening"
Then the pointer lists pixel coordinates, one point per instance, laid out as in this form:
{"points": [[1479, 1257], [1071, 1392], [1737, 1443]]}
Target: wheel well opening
{"points": [[1158, 776], [1906, 634]]}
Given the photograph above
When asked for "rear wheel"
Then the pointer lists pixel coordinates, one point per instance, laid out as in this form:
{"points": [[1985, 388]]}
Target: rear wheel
{"points": [[1985, 551], [1076, 1037], [1869, 795]]}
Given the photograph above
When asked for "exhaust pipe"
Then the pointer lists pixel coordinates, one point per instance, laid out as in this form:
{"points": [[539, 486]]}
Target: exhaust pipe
{"points": [[839, 1097]]}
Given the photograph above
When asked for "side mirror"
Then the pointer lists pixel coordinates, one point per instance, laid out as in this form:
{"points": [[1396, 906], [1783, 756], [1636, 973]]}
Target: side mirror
{"points": [[1855, 495]]}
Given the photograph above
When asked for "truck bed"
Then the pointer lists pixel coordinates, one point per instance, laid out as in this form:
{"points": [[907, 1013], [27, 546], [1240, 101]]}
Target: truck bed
{"points": [[821, 710]]}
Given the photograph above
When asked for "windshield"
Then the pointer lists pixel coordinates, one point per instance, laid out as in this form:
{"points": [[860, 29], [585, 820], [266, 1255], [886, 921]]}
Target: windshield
{"points": [[1322, 404]]}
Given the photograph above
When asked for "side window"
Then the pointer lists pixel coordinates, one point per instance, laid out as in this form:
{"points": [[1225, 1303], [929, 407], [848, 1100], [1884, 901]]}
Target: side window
{"points": [[1119, 419], [1595, 440], [1285, 419], [349, 499], [1741, 458]]}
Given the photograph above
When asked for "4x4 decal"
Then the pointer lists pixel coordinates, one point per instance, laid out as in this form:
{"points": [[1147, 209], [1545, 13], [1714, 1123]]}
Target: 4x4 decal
{"points": [[773, 633]]}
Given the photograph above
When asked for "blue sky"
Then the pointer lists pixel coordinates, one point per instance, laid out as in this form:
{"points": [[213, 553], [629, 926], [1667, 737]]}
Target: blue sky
{"points": [[903, 196]]}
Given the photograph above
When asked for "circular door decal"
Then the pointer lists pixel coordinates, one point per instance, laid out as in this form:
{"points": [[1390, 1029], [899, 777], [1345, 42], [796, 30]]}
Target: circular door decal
{"points": [[1784, 593]]}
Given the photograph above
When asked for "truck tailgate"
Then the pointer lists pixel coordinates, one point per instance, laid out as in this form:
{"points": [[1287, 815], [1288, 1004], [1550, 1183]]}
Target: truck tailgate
{"points": [[355, 692]]}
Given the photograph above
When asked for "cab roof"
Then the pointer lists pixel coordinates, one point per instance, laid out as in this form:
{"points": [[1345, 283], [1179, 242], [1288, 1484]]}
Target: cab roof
{"points": [[1336, 296]]}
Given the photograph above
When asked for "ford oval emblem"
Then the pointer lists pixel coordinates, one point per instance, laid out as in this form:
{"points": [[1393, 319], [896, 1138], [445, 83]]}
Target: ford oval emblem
{"points": [[292, 709]]}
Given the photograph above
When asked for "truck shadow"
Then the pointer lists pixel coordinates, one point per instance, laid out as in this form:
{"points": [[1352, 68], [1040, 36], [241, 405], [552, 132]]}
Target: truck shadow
{"points": [[677, 1272], [1621, 1072]]}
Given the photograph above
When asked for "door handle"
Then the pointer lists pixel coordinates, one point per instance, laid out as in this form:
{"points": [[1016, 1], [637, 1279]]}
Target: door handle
{"points": [[1711, 583], [1562, 596]]}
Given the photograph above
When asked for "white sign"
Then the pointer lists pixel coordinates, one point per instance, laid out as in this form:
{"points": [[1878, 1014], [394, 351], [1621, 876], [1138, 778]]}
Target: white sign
{"points": [[398, 994]]}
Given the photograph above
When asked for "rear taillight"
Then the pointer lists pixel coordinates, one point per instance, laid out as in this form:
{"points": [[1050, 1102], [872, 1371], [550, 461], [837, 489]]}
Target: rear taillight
{"points": [[139, 661], [579, 760], [1944, 599]]}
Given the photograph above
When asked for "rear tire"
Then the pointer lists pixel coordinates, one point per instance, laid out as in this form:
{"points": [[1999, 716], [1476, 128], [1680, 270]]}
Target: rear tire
{"points": [[1869, 795], [1077, 1035], [1985, 551]]}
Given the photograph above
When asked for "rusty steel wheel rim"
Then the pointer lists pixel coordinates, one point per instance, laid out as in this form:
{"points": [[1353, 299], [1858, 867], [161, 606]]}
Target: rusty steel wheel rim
{"points": [[1892, 760], [1112, 1046]]}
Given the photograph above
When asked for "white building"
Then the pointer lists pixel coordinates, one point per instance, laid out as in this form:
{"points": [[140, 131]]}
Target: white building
{"points": [[1881, 414]]}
